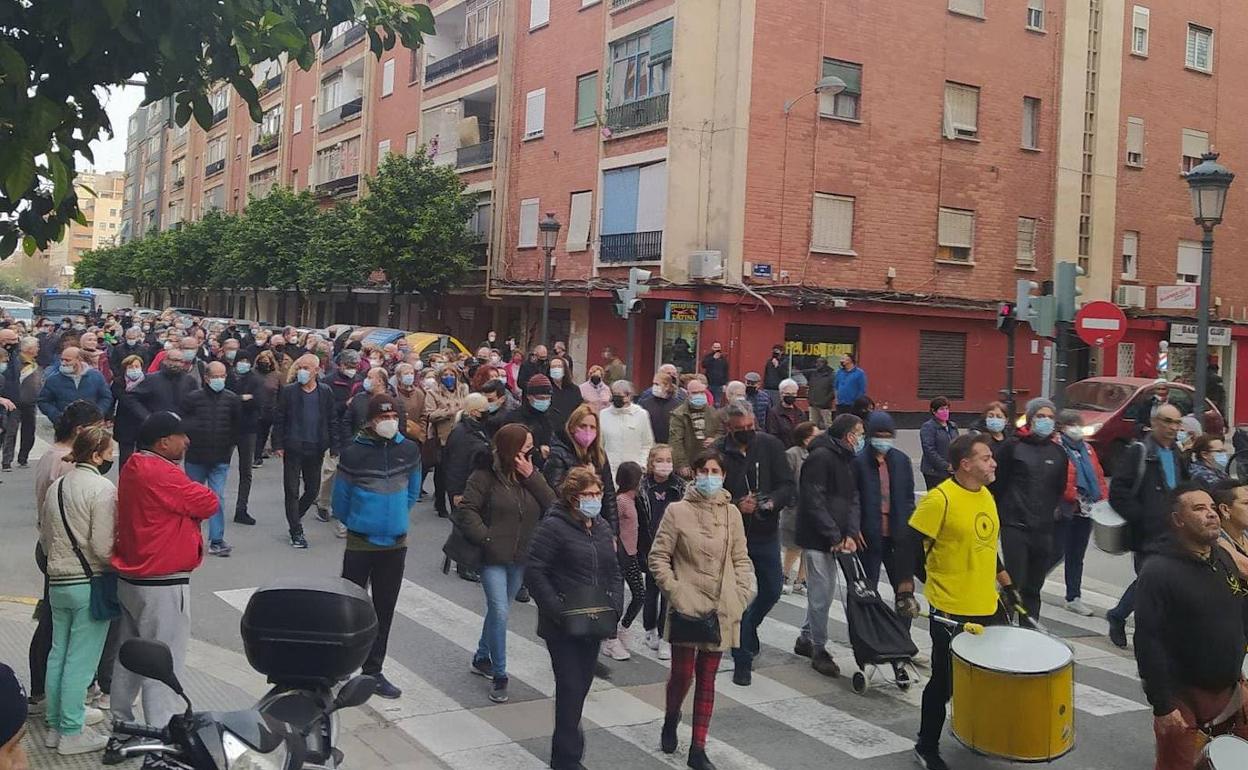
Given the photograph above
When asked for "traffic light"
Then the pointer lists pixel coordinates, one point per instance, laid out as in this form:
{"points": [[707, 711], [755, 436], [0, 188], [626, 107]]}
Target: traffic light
{"points": [[1066, 290], [627, 300], [1005, 318], [1039, 311]]}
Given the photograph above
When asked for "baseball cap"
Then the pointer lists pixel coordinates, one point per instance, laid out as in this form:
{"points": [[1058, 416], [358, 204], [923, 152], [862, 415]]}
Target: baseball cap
{"points": [[380, 404], [13, 706]]}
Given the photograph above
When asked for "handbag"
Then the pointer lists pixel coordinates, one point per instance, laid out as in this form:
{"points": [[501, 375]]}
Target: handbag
{"points": [[104, 604], [699, 629], [587, 613]]}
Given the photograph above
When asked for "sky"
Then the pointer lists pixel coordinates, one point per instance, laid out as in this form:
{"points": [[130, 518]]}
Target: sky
{"points": [[110, 154]]}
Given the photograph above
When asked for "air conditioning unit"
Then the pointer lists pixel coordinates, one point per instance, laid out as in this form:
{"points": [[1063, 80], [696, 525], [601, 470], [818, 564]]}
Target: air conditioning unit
{"points": [[706, 265], [1131, 296]]}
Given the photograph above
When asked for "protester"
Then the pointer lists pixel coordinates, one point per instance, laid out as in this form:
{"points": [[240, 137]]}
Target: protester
{"points": [[1231, 499], [821, 393], [249, 386], [213, 419], [795, 455], [695, 425], [613, 368], [506, 491], [565, 396], [659, 400], [1188, 591], [1030, 479], [935, 435], [266, 367], [536, 363], [562, 562], [1085, 486], [73, 381], [660, 486], [442, 403], [784, 415], [303, 431], [595, 391], [132, 345], [345, 381], [1146, 472], [759, 399], [355, 416], [733, 391], [94, 357], [580, 443], [76, 522], [161, 390], [828, 523], [700, 562], [125, 422], [157, 546], [627, 485], [992, 422], [377, 484], [715, 367], [1147, 409], [851, 384], [775, 372], [21, 420], [468, 441], [626, 432], [533, 414], [1209, 460], [757, 476]]}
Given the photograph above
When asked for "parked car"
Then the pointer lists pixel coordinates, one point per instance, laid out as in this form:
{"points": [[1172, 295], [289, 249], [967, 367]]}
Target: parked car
{"points": [[426, 343], [1109, 404]]}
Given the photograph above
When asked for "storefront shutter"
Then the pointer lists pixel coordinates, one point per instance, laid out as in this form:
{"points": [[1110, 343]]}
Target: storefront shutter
{"points": [[942, 364]]}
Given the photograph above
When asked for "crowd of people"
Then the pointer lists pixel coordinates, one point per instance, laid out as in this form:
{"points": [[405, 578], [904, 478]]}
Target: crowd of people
{"points": [[695, 502]]}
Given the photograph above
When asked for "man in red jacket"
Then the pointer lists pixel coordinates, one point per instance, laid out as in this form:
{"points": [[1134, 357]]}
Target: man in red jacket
{"points": [[158, 544]]}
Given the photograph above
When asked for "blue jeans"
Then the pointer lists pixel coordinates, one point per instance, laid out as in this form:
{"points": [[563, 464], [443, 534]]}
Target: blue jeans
{"points": [[213, 476], [766, 557], [501, 583], [1070, 544]]}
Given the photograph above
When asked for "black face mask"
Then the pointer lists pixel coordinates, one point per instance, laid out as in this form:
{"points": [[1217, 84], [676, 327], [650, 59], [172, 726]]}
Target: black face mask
{"points": [[790, 400], [596, 380], [617, 402], [105, 467], [743, 437], [751, 390]]}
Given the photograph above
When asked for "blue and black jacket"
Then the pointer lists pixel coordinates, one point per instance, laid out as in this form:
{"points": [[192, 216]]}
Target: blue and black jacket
{"points": [[377, 483]]}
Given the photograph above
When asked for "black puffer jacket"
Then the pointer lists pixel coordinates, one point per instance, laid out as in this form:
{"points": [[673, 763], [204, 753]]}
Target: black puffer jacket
{"points": [[467, 442], [563, 458], [827, 499], [212, 423], [162, 391], [537, 422], [499, 515], [563, 554], [1031, 477]]}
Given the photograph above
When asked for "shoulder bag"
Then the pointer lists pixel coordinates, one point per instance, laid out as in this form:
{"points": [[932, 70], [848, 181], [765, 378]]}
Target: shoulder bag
{"points": [[700, 629], [104, 603], [587, 612]]}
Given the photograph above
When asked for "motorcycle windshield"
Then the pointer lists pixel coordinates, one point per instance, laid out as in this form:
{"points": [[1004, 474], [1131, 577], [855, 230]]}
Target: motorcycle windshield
{"points": [[260, 732]]}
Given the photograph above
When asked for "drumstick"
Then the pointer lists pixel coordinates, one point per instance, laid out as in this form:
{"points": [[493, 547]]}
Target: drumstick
{"points": [[974, 629]]}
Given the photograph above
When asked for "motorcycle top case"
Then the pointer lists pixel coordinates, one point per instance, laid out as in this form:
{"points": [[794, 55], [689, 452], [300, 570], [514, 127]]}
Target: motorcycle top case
{"points": [[308, 630]]}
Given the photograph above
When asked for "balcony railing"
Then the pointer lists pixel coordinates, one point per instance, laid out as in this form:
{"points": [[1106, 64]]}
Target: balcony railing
{"points": [[269, 84], [348, 110], [480, 254], [341, 43], [475, 154], [265, 144], [220, 115], [631, 247], [215, 167], [480, 53], [178, 183], [340, 186], [623, 3], [639, 114]]}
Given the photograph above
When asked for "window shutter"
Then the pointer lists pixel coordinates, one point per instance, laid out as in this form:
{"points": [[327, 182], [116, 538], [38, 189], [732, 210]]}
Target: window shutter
{"points": [[586, 99], [652, 197], [942, 364], [961, 109], [383, 149], [1031, 122], [1139, 18], [539, 13], [535, 113], [297, 120], [1188, 262], [528, 222], [846, 71], [387, 78], [578, 221], [957, 228], [413, 143], [832, 223], [973, 7], [1195, 143], [1026, 250], [661, 42], [1130, 253], [1135, 140]]}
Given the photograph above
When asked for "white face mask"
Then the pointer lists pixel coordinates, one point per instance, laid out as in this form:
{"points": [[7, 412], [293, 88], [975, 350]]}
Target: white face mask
{"points": [[430, 383], [662, 470], [387, 428]]}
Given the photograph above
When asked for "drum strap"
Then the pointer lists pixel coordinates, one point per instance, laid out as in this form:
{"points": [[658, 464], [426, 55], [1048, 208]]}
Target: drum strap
{"points": [[1233, 707]]}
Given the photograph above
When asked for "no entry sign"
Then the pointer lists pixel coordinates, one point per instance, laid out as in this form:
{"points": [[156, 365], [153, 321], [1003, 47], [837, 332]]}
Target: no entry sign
{"points": [[1100, 323]]}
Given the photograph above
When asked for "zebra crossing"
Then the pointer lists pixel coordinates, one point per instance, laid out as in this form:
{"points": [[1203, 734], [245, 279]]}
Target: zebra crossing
{"points": [[789, 717]]}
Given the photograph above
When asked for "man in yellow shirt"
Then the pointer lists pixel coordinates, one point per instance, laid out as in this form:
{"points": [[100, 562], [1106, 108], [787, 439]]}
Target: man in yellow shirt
{"points": [[954, 531]]}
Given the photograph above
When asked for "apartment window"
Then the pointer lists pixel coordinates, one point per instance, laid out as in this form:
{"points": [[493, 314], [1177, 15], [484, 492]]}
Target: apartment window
{"points": [[383, 149], [968, 7], [412, 144], [1135, 141], [214, 198], [1130, 254], [149, 181], [261, 183], [297, 119], [1188, 268], [942, 364], [961, 111], [587, 100], [177, 170], [579, 217], [634, 213], [539, 13], [1031, 123], [481, 21], [220, 99], [215, 150], [482, 220], [535, 113], [339, 161], [1139, 31], [413, 65], [1035, 15], [1025, 251], [956, 238], [175, 213], [832, 224], [528, 223], [1200, 48], [332, 92], [387, 78], [641, 65], [153, 146], [845, 104], [1195, 144]]}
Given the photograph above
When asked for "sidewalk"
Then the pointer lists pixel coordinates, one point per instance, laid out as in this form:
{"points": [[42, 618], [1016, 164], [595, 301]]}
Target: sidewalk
{"points": [[220, 680]]}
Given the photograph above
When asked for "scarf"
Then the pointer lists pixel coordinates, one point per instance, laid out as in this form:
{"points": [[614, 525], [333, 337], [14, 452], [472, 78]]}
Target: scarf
{"points": [[1085, 475]]}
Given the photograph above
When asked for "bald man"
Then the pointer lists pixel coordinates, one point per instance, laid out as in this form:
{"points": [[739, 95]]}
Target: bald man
{"points": [[212, 416], [73, 380]]}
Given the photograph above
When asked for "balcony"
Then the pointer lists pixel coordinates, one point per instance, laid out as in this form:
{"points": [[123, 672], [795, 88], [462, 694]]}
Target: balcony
{"points": [[338, 187], [344, 113], [215, 167], [618, 4], [475, 155], [269, 84], [266, 143], [219, 116], [480, 254], [472, 56], [631, 247], [341, 43], [178, 183], [650, 111]]}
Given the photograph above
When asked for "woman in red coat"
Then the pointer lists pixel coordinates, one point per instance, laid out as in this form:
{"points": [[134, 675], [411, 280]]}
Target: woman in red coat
{"points": [[1085, 485]]}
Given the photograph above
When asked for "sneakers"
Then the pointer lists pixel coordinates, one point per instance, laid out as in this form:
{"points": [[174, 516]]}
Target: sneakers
{"points": [[799, 588], [322, 514], [1117, 631], [624, 635], [340, 530], [92, 716], [242, 517], [823, 663], [36, 704], [471, 575], [804, 647], [787, 588], [84, 742], [104, 701], [21, 464], [257, 462], [665, 650], [6, 468], [386, 689], [1077, 606], [522, 595], [222, 549], [929, 758], [900, 675], [51, 738], [498, 693], [653, 639], [298, 541], [614, 649], [482, 667]]}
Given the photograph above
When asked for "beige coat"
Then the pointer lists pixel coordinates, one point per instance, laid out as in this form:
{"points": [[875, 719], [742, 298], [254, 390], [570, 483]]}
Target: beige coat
{"points": [[441, 406], [91, 509], [688, 563]]}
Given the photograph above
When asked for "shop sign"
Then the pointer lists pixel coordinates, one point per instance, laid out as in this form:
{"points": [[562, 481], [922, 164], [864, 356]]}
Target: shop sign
{"points": [[1182, 297], [762, 270], [683, 311], [1186, 334], [710, 312]]}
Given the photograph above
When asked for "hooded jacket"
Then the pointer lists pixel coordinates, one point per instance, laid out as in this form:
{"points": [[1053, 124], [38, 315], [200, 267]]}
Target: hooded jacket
{"points": [[564, 554], [499, 514], [377, 483], [764, 471], [827, 503], [1031, 477], [563, 458]]}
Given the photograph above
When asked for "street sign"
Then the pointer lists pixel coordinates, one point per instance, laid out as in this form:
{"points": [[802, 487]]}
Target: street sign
{"points": [[1100, 323], [762, 270], [1181, 297], [1188, 334]]}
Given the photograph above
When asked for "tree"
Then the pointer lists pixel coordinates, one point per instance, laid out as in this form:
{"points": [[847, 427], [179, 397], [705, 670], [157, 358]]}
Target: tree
{"points": [[413, 225], [57, 57], [334, 256], [266, 248]]}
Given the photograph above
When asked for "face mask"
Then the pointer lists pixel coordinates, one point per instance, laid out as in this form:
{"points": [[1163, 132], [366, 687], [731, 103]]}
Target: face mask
{"points": [[68, 370], [789, 400], [942, 414], [709, 485], [751, 390], [495, 360], [407, 380], [556, 374], [1181, 437], [995, 424], [168, 346], [1042, 426], [617, 402], [540, 404], [596, 380], [662, 470], [590, 507], [1220, 459], [1074, 433], [188, 355], [430, 383], [449, 382], [217, 384], [350, 373], [697, 400], [104, 467], [743, 437], [131, 342], [494, 406], [375, 361], [79, 328], [368, 386], [303, 376], [859, 444], [386, 428], [243, 367], [146, 328], [230, 355], [585, 436], [882, 445]]}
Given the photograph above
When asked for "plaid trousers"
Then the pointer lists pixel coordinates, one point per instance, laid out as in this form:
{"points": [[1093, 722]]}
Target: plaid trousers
{"points": [[688, 663]]}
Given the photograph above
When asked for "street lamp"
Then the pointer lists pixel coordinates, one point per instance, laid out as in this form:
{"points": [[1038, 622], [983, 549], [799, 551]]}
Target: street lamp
{"points": [[828, 84], [549, 228], [1209, 183]]}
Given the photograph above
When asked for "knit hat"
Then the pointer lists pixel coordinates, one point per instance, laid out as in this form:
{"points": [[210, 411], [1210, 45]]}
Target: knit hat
{"points": [[12, 705], [380, 404], [880, 422], [538, 385], [158, 426], [1036, 404]]}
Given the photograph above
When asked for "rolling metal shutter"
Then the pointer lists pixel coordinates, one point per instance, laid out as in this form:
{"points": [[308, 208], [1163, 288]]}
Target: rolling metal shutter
{"points": [[942, 364]]}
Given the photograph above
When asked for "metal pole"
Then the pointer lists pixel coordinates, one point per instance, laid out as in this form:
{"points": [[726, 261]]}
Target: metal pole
{"points": [[542, 340], [1061, 342], [1009, 373], [632, 352], [1202, 323]]}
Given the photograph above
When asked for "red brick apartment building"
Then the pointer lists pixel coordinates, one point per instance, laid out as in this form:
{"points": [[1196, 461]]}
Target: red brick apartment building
{"points": [[974, 142]]}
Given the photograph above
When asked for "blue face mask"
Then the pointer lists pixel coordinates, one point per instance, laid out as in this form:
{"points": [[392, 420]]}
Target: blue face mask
{"points": [[708, 484], [882, 445], [995, 424], [698, 400], [217, 384], [408, 380], [68, 371], [590, 507], [1181, 437], [134, 375], [448, 382], [243, 367], [860, 444], [303, 376], [1220, 459], [540, 404], [367, 385], [494, 406], [1043, 426]]}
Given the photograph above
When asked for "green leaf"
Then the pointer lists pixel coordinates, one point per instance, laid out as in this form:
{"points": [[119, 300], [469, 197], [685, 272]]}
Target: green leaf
{"points": [[424, 18], [60, 178], [115, 9], [29, 245], [8, 243], [19, 175], [44, 116], [183, 113], [81, 36], [202, 110], [13, 67]]}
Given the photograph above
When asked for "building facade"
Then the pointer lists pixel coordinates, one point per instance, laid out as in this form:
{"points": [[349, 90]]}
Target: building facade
{"points": [[147, 136], [100, 198]]}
